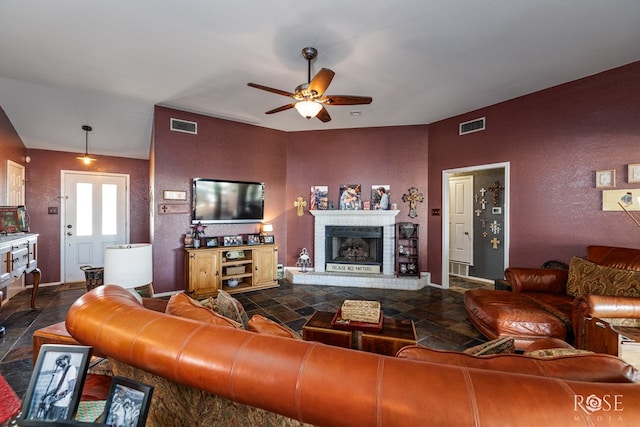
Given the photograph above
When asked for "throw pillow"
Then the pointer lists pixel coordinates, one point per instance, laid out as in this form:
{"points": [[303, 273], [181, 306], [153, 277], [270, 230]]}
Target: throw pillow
{"points": [[497, 346], [549, 353], [209, 303], [587, 278], [183, 306], [262, 325], [231, 308]]}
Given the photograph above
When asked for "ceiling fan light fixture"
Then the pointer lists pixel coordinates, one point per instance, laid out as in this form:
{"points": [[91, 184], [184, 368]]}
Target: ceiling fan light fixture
{"points": [[86, 158], [308, 109]]}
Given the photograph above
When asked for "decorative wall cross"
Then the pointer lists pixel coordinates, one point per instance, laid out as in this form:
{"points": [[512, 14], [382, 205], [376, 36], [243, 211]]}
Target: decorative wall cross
{"points": [[483, 203], [496, 192], [483, 191], [495, 227], [478, 212], [412, 197], [300, 203], [494, 242]]}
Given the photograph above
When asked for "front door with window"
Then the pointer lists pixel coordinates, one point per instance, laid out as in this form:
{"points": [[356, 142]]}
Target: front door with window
{"points": [[95, 215]]}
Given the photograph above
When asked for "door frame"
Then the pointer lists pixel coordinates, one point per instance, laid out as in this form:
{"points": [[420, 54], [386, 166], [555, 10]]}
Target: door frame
{"points": [[63, 211], [446, 174]]}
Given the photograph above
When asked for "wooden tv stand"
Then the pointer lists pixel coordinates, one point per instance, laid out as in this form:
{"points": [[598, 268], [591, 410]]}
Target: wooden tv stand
{"points": [[209, 269]]}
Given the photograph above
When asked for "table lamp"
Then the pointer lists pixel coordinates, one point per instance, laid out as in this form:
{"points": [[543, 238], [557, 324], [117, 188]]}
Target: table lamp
{"points": [[128, 266], [267, 229]]}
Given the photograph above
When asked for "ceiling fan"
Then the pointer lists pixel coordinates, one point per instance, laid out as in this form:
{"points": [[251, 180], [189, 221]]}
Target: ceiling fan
{"points": [[309, 98]]}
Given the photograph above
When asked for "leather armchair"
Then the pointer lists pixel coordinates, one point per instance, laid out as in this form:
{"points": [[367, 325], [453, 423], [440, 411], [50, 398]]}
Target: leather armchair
{"points": [[602, 306]]}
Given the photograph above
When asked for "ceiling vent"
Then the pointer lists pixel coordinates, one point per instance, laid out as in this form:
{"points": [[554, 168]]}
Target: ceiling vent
{"points": [[184, 126], [471, 126]]}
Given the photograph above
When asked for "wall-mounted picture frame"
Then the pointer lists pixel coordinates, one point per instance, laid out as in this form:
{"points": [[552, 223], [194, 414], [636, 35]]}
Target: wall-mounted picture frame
{"points": [[633, 173], [253, 239], [56, 384], [268, 239], [606, 178], [128, 403], [619, 200], [174, 195], [211, 242], [232, 240]]}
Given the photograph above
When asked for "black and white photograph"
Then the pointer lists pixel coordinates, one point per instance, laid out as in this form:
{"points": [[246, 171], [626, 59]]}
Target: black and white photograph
{"points": [[128, 403], [56, 383]]}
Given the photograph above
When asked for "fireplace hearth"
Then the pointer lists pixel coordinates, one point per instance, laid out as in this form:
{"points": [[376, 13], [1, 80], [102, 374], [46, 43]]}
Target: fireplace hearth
{"points": [[353, 249]]}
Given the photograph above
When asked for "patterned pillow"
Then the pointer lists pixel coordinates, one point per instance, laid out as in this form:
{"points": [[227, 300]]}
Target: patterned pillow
{"points": [[231, 308], [183, 306], [497, 346], [262, 325], [587, 278], [549, 353]]}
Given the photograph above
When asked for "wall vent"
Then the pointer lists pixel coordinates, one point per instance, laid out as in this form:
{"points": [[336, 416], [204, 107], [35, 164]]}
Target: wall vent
{"points": [[184, 126], [475, 125]]}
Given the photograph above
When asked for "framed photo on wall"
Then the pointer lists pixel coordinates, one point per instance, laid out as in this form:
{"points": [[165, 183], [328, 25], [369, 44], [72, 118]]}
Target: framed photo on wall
{"points": [[56, 383], [606, 178], [128, 403], [633, 173]]}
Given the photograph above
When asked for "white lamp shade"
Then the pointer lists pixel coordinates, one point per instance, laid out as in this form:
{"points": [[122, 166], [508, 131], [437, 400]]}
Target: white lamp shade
{"points": [[267, 228], [129, 266], [308, 109]]}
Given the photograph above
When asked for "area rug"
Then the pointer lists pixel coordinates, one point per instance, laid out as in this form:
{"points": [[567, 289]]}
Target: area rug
{"points": [[72, 286], [9, 402]]}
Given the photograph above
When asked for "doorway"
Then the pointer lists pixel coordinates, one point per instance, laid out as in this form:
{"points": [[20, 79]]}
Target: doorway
{"points": [[95, 214], [15, 184], [490, 221]]}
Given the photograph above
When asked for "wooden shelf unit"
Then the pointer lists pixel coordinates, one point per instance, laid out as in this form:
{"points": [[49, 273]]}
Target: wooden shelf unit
{"points": [[209, 269], [407, 251]]}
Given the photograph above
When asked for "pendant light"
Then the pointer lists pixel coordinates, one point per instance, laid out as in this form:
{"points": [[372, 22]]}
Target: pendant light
{"points": [[86, 158]]}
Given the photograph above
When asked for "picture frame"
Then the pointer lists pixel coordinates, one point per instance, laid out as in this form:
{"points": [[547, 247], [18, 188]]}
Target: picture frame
{"points": [[232, 240], [174, 195], [319, 198], [633, 173], [606, 178], [56, 384], [268, 239], [349, 197], [127, 403], [211, 242], [380, 194], [253, 239]]}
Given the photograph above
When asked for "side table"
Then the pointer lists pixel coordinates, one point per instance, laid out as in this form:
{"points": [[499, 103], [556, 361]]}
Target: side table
{"points": [[622, 341], [53, 334]]}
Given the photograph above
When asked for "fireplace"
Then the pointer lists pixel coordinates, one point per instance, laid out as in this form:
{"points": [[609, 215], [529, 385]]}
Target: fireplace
{"points": [[353, 249]]}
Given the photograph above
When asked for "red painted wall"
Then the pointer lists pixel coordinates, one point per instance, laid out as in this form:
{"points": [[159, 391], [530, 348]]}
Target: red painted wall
{"points": [[222, 149], [11, 148], [396, 156], [555, 140], [43, 190]]}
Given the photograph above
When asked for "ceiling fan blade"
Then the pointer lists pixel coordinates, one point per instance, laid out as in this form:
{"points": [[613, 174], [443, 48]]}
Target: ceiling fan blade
{"points": [[283, 108], [323, 115], [270, 89], [346, 100], [321, 81]]}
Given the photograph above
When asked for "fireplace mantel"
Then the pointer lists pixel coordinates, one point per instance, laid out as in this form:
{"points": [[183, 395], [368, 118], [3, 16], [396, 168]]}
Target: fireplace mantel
{"points": [[377, 218]]}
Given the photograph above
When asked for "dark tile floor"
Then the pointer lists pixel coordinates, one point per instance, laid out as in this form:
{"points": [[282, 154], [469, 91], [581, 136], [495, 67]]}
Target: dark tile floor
{"points": [[438, 315]]}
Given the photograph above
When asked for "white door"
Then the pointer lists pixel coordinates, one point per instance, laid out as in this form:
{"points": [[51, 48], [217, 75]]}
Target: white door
{"points": [[95, 215], [15, 184], [461, 219]]}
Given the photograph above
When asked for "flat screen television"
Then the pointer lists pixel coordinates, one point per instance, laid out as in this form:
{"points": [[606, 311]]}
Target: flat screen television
{"points": [[216, 201]]}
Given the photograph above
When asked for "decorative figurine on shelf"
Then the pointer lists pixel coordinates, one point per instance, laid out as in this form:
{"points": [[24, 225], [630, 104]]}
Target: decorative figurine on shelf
{"points": [[300, 203], [304, 260], [412, 197]]}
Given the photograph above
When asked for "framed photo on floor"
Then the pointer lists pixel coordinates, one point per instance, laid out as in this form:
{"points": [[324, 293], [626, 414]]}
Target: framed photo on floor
{"points": [[128, 403], [56, 384]]}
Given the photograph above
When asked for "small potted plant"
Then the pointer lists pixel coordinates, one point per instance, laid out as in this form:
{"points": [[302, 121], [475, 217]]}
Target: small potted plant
{"points": [[198, 231]]}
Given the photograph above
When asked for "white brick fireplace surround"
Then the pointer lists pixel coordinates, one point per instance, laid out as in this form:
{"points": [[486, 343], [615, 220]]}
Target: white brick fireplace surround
{"points": [[376, 218]]}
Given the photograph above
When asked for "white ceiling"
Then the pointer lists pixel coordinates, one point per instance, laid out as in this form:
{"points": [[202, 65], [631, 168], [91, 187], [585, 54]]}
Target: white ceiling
{"points": [[66, 63]]}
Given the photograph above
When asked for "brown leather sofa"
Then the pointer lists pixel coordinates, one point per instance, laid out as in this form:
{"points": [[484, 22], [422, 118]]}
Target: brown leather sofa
{"points": [[308, 382], [539, 306]]}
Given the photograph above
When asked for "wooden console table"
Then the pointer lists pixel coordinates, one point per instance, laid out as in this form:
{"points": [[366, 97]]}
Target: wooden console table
{"points": [[19, 255], [622, 341], [394, 335]]}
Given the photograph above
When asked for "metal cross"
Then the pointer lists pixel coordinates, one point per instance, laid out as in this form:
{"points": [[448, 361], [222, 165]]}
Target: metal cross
{"points": [[494, 242], [496, 192], [483, 203], [412, 197], [478, 212], [495, 227], [482, 191]]}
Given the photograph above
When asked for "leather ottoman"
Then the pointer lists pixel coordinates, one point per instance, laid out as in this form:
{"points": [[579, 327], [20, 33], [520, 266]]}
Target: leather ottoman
{"points": [[507, 314]]}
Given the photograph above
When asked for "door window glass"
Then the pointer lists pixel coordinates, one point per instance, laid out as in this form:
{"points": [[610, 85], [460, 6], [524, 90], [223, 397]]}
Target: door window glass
{"points": [[84, 209], [109, 209]]}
